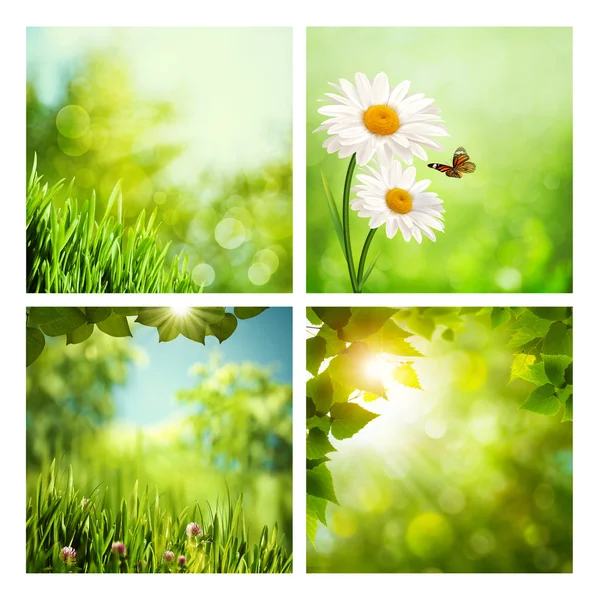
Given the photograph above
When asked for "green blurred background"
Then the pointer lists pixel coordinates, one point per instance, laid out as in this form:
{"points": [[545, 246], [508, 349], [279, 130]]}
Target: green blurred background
{"points": [[191, 420], [506, 96], [454, 478], [181, 117]]}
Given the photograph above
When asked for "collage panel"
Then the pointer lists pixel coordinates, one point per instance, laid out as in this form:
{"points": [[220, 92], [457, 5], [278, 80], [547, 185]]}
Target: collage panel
{"points": [[439, 440], [150, 457], [456, 142], [155, 168]]}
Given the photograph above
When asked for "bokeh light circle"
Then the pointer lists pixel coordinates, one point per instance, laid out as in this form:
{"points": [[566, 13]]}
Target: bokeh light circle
{"points": [[73, 121], [259, 274], [203, 274], [230, 233]]}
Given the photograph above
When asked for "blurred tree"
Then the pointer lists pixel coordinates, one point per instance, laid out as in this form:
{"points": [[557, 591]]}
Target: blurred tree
{"points": [[101, 131], [69, 398], [243, 418]]}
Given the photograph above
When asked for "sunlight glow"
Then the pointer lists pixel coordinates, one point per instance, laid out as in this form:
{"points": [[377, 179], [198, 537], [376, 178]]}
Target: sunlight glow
{"points": [[180, 311]]}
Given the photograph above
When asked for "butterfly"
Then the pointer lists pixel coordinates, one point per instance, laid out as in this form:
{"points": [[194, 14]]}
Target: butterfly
{"points": [[460, 164]]}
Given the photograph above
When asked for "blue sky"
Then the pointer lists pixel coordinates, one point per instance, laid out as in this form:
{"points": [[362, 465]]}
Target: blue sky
{"points": [[148, 397]]}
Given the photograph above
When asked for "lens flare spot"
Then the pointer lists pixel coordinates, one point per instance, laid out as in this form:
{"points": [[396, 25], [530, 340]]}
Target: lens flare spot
{"points": [[429, 535], [259, 274], [73, 121], [230, 233], [203, 274]]}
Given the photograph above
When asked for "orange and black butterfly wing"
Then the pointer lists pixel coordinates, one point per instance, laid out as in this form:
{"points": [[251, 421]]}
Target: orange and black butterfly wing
{"points": [[449, 171], [467, 167], [461, 163]]}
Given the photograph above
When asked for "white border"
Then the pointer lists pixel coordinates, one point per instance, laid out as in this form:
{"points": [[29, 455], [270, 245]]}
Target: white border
{"points": [[299, 15]]}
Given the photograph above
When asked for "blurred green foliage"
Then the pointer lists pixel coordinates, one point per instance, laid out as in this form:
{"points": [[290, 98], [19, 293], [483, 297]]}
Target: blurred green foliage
{"points": [[237, 230], [247, 416], [506, 96], [452, 477], [70, 417]]}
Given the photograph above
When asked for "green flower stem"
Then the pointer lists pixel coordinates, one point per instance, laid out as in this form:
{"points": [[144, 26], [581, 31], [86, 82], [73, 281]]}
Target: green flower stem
{"points": [[363, 256], [346, 223]]}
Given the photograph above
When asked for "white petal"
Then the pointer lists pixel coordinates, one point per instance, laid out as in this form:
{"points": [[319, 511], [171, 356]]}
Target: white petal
{"points": [[406, 232], [398, 94], [363, 86], [418, 187], [351, 92], [379, 219], [381, 89], [407, 109], [408, 178], [418, 151], [338, 110], [417, 234], [423, 129], [426, 231], [400, 139], [391, 227], [365, 151]]}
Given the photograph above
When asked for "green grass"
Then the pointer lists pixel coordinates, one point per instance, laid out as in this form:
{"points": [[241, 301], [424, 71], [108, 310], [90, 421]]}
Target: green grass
{"points": [[68, 251], [58, 517]]}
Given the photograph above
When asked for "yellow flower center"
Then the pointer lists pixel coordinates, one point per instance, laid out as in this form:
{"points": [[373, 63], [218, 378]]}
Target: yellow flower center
{"points": [[381, 119], [399, 201]]}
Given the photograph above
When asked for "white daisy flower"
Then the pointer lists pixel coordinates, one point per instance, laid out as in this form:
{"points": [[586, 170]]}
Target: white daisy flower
{"points": [[371, 118], [392, 196]]}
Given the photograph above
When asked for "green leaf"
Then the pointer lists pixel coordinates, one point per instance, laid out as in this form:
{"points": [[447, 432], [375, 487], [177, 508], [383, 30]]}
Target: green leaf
{"points": [[559, 340], [406, 375], [364, 322], [323, 423], [520, 365], [500, 316], [310, 408], [349, 418], [311, 526], [312, 463], [125, 310], [80, 334], [564, 393], [94, 315], [555, 367], [542, 401], [115, 326], [35, 342], [56, 321], [317, 507], [568, 410], [335, 215], [247, 312], [390, 339], [421, 325], [334, 317], [368, 397], [334, 344], [350, 369], [370, 268], [536, 374], [224, 328], [320, 389], [551, 313], [526, 328], [569, 374], [448, 335], [316, 348], [312, 317], [317, 444], [319, 483], [192, 324]]}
